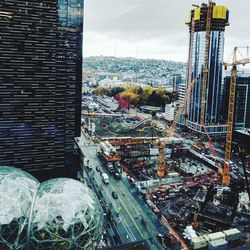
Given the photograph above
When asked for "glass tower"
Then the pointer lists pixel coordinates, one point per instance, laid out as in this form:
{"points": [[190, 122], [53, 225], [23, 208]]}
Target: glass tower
{"points": [[242, 101], [197, 56], [40, 85]]}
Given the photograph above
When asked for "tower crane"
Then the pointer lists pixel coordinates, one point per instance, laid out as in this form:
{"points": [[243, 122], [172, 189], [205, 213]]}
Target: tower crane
{"points": [[231, 108], [190, 59], [206, 60], [162, 145]]}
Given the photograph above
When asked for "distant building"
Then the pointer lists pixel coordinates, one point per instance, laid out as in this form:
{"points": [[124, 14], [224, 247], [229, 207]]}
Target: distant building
{"points": [[40, 85], [242, 101], [150, 109], [197, 54], [108, 83], [169, 112], [110, 104], [177, 80]]}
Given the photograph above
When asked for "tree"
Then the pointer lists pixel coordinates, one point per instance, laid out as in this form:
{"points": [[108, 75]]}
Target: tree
{"points": [[147, 91], [101, 91], [130, 96], [116, 90], [161, 91]]}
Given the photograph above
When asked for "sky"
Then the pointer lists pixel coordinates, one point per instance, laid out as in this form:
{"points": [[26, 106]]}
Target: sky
{"points": [[153, 28]]}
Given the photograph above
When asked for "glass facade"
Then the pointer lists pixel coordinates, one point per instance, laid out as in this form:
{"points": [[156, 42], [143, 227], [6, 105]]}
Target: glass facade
{"points": [[242, 101], [40, 84], [207, 21], [214, 83]]}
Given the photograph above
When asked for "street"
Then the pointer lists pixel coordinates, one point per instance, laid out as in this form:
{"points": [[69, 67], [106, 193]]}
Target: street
{"points": [[133, 222]]}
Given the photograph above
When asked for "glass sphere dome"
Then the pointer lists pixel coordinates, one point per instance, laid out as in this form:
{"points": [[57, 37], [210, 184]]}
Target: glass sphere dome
{"points": [[65, 216], [17, 190]]}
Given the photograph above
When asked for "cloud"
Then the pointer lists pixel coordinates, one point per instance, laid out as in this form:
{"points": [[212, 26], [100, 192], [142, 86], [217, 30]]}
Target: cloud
{"points": [[155, 25], [126, 10]]}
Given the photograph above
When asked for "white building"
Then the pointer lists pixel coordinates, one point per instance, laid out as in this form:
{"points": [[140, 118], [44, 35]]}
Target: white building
{"points": [[110, 83], [169, 112]]}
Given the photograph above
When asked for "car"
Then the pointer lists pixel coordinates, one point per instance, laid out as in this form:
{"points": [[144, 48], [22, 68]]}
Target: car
{"points": [[98, 169], [89, 166], [117, 176], [105, 178], [114, 195]]}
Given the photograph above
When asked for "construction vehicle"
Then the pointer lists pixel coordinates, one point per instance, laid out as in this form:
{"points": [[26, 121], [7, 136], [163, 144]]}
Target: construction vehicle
{"points": [[162, 144], [108, 156], [231, 108]]}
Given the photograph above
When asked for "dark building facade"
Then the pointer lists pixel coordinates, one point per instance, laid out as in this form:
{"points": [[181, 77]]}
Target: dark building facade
{"points": [[40, 85], [242, 139], [242, 101]]}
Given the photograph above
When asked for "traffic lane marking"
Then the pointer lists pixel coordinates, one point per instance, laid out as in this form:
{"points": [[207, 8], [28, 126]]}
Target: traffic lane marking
{"points": [[131, 218]]}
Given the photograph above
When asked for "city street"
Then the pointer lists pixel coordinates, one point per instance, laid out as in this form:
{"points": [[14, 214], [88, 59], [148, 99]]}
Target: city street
{"points": [[133, 223]]}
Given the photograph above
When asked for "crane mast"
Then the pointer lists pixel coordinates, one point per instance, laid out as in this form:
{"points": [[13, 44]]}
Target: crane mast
{"points": [[162, 145], [206, 62], [231, 110], [190, 59]]}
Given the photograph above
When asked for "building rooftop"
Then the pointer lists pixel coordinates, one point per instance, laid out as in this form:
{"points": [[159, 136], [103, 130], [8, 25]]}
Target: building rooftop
{"points": [[244, 131]]}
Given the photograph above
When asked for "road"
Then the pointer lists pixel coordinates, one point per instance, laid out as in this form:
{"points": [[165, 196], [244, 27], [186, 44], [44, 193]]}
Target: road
{"points": [[127, 210]]}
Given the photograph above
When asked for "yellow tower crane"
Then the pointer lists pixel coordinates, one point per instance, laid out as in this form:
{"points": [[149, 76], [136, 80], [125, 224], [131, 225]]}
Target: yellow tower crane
{"points": [[190, 63], [206, 63], [231, 108], [162, 145]]}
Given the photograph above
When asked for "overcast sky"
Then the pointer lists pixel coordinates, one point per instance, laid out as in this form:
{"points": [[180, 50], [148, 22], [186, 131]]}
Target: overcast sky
{"points": [[153, 28]]}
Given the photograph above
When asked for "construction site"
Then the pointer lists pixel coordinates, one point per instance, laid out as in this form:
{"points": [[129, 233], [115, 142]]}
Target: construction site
{"points": [[200, 193], [182, 182], [189, 195], [122, 125]]}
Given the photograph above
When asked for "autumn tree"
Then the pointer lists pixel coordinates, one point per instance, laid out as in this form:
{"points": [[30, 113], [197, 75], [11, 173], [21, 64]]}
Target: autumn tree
{"points": [[130, 96], [101, 91]]}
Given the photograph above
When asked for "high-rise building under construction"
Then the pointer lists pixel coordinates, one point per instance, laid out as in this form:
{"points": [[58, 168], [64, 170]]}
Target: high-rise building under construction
{"points": [[206, 47]]}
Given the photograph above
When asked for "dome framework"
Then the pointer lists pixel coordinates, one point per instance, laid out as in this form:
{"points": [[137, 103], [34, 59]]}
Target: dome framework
{"points": [[59, 214]]}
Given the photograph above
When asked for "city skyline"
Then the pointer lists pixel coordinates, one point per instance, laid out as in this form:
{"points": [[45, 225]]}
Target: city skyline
{"points": [[124, 29]]}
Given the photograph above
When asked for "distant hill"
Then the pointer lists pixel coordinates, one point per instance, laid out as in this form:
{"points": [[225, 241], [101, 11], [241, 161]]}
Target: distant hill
{"points": [[147, 67]]}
